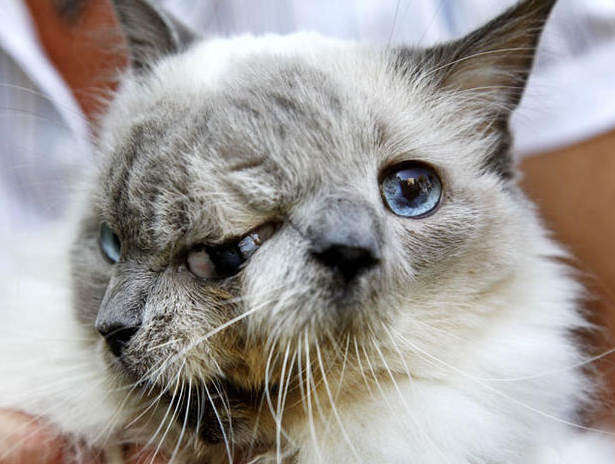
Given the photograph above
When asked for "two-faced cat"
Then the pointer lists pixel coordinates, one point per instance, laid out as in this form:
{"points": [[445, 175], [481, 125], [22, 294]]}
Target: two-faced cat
{"points": [[303, 250]]}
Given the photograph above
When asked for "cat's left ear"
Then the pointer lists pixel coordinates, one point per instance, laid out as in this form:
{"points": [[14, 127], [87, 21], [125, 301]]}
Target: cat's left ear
{"points": [[488, 68], [150, 32], [496, 59]]}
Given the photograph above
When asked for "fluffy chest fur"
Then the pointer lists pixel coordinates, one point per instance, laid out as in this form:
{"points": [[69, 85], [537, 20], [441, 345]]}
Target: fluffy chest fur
{"points": [[259, 274]]}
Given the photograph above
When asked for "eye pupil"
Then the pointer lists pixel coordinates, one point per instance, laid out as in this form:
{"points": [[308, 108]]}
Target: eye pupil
{"points": [[249, 245], [411, 190], [110, 244], [227, 260]]}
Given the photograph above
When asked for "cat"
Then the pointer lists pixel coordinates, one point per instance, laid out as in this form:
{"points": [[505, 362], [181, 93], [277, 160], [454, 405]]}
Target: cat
{"points": [[305, 250]]}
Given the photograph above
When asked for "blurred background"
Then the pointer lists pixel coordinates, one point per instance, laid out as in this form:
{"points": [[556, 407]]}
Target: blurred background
{"points": [[59, 60]]}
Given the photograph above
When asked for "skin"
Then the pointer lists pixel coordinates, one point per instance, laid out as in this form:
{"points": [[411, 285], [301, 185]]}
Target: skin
{"points": [[81, 62], [25, 440]]}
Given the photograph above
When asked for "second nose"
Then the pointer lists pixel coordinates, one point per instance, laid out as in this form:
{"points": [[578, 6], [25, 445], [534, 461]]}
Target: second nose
{"points": [[117, 336]]}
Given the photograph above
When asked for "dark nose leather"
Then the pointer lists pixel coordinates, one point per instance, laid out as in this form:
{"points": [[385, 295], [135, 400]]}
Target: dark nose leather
{"points": [[117, 336], [349, 261], [120, 313], [345, 238]]}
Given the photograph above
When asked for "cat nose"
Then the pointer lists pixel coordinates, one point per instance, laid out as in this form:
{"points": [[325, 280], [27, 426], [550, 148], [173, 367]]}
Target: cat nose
{"points": [[120, 312], [348, 261], [117, 336], [345, 238]]}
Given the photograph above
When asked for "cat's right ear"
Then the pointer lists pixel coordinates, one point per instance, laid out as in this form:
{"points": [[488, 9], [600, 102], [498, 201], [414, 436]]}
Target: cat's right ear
{"points": [[150, 32]]}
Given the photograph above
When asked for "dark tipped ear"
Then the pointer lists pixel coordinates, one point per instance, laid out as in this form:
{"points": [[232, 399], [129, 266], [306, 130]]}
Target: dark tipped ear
{"points": [[488, 69], [150, 32], [494, 61]]}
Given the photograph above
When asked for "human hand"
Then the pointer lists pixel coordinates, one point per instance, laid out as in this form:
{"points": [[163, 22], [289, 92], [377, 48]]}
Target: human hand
{"points": [[27, 440]]}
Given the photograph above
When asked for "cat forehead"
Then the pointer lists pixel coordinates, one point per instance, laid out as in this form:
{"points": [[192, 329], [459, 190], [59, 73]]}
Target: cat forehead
{"points": [[213, 65], [284, 73], [246, 65], [242, 68], [252, 123]]}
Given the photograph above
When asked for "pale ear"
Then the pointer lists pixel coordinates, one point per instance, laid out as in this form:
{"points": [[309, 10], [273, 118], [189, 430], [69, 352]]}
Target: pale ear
{"points": [[494, 61], [150, 32]]}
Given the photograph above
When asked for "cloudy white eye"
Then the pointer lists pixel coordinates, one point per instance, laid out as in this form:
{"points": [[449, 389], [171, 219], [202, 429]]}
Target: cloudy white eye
{"points": [[210, 262], [199, 263], [109, 243], [411, 189]]}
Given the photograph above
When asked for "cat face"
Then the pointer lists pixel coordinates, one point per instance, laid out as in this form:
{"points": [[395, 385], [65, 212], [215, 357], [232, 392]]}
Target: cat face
{"points": [[270, 205]]}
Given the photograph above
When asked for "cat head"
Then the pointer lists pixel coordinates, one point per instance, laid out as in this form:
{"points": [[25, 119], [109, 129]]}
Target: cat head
{"points": [[269, 203]]}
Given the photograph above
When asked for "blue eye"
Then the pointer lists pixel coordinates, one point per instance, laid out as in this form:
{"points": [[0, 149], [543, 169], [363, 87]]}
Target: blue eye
{"points": [[109, 243], [411, 190]]}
